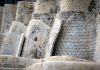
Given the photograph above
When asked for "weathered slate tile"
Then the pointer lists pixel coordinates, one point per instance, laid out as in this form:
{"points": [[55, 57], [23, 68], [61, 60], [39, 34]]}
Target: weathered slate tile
{"points": [[46, 6], [17, 28], [11, 62], [24, 11], [76, 5], [1, 14], [97, 48], [8, 16], [36, 39], [11, 44], [76, 33], [46, 18], [1, 39], [64, 65]]}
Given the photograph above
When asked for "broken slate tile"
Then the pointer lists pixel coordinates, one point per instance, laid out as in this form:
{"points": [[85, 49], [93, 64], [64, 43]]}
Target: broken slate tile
{"points": [[10, 45], [8, 17], [1, 14], [37, 35], [17, 28], [24, 11]]}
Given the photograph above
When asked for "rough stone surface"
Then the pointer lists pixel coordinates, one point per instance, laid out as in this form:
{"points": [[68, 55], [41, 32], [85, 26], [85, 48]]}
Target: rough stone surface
{"points": [[46, 18], [8, 16], [10, 44], [77, 35], [24, 11], [36, 39], [97, 5], [76, 5], [64, 65], [46, 6], [97, 48], [1, 14], [17, 28], [15, 62], [1, 39]]}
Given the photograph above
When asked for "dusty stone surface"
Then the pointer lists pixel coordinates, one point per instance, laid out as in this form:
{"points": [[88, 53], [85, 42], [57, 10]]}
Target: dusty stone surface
{"points": [[76, 33], [1, 39], [97, 5], [64, 65], [24, 11], [15, 62], [10, 44], [76, 5], [97, 48], [17, 28], [1, 14], [36, 39], [8, 16], [46, 18], [46, 6]]}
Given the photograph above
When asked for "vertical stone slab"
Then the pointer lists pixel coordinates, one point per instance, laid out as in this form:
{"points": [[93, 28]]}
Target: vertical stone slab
{"points": [[77, 35], [37, 35], [1, 14], [97, 48], [46, 6], [1, 39], [17, 28], [24, 11], [8, 16], [11, 44], [76, 5]]}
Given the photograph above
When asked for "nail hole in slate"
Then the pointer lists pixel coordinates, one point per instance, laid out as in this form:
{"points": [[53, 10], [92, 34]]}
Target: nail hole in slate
{"points": [[35, 39]]}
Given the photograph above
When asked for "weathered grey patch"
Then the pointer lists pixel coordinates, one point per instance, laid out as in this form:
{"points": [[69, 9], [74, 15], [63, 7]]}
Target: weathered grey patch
{"points": [[76, 37], [24, 11], [46, 18], [46, 6], [64, 65], [97, 48], [17, 28], [10, 44], [1, 39], [1, 14], [7, 62], [76, 5], [8, 16], [36, 39], [97, 6]]}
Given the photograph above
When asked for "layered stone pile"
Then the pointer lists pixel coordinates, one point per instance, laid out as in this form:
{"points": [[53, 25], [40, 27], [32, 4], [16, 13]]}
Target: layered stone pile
{"points": [[50, 35]]}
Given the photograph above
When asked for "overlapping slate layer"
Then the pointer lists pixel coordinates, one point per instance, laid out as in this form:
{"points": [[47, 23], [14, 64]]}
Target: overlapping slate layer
{"points": [[17, 28], [1, 14], [8, 16], [11, 44], [36, 39], [24, 11]]}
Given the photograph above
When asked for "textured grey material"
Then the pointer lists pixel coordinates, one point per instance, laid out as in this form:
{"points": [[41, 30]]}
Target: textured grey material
{"points": [[8, 16], [97, 48], [46, 6], [1, 39], [97, 5], [1, 14], [24, 11], [46, 18], [17, 28], [77, 35], [76, 5], [36, 39], [10, 44]]}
